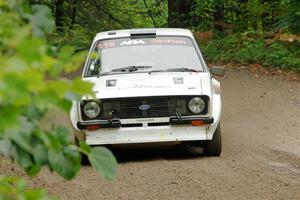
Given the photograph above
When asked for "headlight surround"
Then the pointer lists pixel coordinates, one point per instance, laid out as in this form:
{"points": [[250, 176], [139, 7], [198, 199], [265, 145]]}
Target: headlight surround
{"points": [[196, 105], [91, 109]]}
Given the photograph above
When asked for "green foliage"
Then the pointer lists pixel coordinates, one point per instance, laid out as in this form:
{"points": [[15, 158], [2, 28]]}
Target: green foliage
{"points": [[226, 17], [31, 83], [31, 69], [252, 48], [81, 20], [78, 37], [251, 15], [15, 188], [253, 9], [204, 13], [103, 160], [40, 20], [290, 15]]}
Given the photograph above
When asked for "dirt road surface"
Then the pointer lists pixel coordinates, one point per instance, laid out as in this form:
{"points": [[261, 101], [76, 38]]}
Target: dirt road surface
{"points": [[260, 159]]}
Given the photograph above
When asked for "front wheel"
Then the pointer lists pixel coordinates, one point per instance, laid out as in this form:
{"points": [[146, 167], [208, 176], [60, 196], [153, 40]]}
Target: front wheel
{"points": [[84, 158], [214, 147]]}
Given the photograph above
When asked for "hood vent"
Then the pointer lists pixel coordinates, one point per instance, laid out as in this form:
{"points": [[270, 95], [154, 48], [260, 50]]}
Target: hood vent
{"points": [[143, 34]]}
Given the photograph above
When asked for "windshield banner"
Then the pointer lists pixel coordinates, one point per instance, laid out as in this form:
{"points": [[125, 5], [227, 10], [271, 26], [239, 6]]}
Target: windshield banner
{"points": [[180, 41]]}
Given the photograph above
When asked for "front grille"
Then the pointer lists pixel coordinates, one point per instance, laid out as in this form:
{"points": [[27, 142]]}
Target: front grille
{"points": [[129, 108], [126, 108]]}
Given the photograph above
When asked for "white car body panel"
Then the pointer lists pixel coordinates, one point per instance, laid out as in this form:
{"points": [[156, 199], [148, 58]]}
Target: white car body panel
{"points": [[152, 84], [146, 134]]}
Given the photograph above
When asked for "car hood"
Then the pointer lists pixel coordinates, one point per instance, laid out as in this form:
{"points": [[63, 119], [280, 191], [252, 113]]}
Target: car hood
{"points": [[154, 84]]}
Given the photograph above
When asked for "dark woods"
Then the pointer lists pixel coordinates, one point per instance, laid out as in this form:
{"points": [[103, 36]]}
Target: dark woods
{"points": [[259, 15], [242, 31]]}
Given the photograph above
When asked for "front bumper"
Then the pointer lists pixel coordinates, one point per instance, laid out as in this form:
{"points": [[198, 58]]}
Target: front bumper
{"points": [[116, 123], [175, 130], [146, 134]]}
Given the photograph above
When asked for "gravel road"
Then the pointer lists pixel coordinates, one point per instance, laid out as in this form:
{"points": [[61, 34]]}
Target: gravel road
{"points": [[260, 159]]}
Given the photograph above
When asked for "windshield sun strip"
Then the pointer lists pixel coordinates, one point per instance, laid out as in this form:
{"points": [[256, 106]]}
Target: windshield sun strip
{"points": [[195, 45]]}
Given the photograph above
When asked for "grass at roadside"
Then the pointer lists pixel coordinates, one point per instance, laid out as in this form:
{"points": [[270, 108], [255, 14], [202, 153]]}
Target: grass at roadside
{"points": [[253, 48]]}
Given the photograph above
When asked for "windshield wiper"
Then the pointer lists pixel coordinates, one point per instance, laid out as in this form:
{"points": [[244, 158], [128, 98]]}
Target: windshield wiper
{"points": [[157, 70], [182, 70], [131, 68]]}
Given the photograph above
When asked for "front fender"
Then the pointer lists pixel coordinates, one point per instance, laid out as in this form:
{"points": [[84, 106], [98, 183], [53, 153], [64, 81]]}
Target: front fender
{"points": [[74, 115], [216, 108]]}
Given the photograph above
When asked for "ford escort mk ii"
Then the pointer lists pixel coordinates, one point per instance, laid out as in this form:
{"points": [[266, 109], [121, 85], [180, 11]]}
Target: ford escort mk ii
{"points": [[150, 85]]}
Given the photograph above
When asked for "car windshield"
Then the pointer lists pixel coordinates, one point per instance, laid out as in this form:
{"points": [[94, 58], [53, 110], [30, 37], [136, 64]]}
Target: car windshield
{"points": [[128, 55]]}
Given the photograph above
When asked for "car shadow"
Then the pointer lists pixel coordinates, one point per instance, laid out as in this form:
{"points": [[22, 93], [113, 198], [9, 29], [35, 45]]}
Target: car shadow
{"points": [[155, 152]]}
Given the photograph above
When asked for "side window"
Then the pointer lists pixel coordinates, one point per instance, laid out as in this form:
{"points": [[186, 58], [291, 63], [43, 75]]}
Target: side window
{"points": [[94, 64]]}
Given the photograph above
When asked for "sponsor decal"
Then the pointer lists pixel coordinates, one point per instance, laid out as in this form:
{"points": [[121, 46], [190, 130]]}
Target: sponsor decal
{"points": [[111, 83], [178, 80], [180, 41], [168, 41], [132, 42], [106, 44]]}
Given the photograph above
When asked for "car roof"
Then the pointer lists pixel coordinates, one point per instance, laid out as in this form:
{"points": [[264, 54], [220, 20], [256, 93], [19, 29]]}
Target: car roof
{"points": [[145, 31]]}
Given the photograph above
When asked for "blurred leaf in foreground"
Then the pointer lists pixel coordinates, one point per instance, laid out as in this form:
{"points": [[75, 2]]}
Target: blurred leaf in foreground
{"points": [[31, 84]]}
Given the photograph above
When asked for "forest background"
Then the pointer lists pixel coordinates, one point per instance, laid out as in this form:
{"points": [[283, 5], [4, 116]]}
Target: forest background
{"points": [[263, 32]]}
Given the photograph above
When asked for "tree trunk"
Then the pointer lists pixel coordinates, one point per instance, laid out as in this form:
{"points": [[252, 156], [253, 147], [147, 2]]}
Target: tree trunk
{"points": [[73, 11], [172, 13], [219, 15], [59, 14], [180, 13]]}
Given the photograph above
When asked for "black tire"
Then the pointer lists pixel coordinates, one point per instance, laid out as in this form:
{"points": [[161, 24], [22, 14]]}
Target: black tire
{"points": [[84, 158], [76, 141], [214, 147]]}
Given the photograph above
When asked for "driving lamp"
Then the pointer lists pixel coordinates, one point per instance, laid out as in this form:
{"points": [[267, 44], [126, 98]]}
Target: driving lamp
{"points": [[196, 105], [91, 109]]}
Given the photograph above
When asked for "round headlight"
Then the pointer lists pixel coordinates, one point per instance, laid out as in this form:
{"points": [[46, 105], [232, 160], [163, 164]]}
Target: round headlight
{"points": [[196, 105], [91, 109]]}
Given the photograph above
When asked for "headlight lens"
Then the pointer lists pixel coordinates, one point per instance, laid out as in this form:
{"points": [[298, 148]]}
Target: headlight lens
{"points": [[196, 105], [91, 109]]}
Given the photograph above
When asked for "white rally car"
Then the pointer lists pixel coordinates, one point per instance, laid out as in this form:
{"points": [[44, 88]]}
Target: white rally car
{"points": [[151, 85]]}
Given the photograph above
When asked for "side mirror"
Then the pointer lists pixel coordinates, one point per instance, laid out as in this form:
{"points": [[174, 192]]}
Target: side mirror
{"points": [[216, 70]]}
